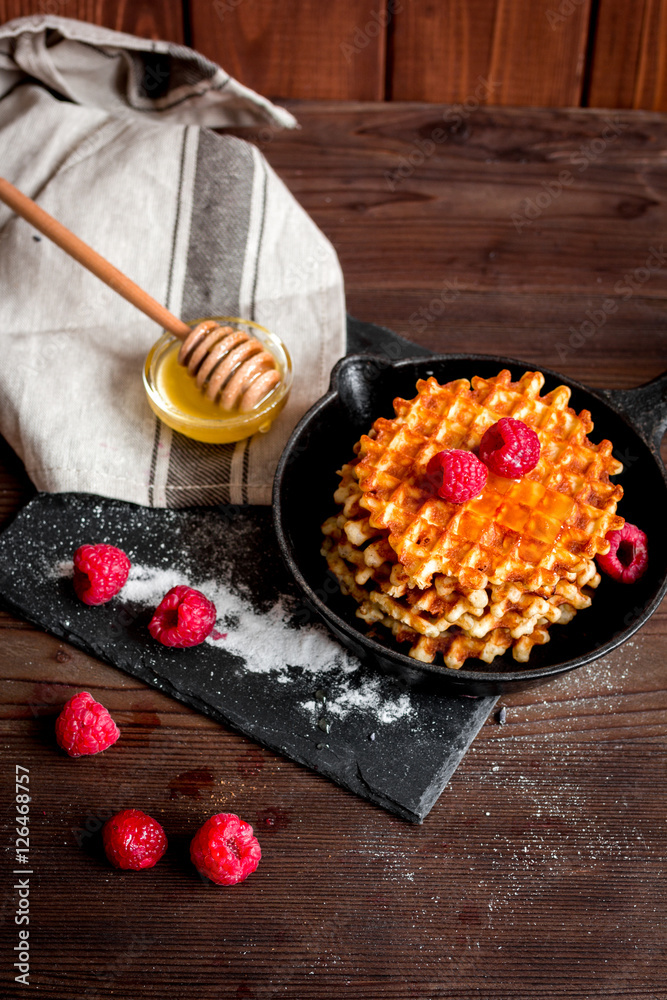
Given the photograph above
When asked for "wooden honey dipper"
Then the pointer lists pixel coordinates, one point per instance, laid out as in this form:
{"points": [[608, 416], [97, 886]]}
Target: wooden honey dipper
{"points": [[226, 363]]}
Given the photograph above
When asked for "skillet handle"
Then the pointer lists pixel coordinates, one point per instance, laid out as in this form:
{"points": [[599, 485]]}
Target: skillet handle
{"points": [[645, 408]]}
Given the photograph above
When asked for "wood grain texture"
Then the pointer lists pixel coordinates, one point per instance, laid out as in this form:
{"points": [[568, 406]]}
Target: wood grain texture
{"points": [[539, 875], [629, 58], [501, 52], [147, 18], [544, 853], [463, 225], [297, 48]]}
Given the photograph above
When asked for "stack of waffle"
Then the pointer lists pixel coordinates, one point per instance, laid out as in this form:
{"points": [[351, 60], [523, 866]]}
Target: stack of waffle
{"points": [[478, 578]]}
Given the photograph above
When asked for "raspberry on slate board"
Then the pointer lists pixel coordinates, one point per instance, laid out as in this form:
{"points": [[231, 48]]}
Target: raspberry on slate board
{"points": [[100, 571], [184, 617]]}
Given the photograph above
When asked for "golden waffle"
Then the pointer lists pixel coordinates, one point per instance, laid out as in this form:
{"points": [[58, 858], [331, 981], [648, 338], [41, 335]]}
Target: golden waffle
{"points": [[534, 532], [455, 645], [510, 617], [457, 649], [368, 551], [437, 607]]}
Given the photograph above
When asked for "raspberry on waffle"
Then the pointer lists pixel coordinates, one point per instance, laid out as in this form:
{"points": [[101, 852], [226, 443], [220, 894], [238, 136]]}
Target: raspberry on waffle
{"points": [[533, 531]]}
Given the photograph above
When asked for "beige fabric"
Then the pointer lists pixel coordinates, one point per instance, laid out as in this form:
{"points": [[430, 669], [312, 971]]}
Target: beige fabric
{"points": [[198, 220]]}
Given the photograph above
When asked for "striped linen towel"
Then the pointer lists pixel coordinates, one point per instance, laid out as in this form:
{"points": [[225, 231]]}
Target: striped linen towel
{"points": [[108, 133]]}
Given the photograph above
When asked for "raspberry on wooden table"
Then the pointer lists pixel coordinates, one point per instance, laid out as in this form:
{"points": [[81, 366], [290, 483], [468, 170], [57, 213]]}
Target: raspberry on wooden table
{"points": [[456, 475], [100, 571], [184, 617], [133, 840], [627, 558], [85, 727], [225, 850], [510, 448]]}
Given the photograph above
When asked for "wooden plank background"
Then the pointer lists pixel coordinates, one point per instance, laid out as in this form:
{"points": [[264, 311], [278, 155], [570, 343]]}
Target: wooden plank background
{"points": [[540, 873], [629, 65], [539, 53], [148, 18], [444, 51], [297, 48]]}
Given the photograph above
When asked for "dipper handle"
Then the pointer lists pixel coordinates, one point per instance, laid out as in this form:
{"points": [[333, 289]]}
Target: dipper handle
{"points": [[80, 251]]}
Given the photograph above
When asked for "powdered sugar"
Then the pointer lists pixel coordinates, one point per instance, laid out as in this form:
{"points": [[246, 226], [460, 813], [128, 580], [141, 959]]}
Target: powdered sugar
{"points": [[346, 698], [64, 569], [265, 641], [148, 586], [268, 643]]}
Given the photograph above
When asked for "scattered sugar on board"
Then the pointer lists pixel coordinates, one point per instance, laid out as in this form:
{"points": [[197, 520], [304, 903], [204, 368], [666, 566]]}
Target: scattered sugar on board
{"points": [[265, 641], [367, 698], [270, 645], [61, 569]]}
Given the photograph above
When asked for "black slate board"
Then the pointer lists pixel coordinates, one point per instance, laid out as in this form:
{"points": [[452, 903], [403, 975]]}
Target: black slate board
{"points": [[272, 672]]}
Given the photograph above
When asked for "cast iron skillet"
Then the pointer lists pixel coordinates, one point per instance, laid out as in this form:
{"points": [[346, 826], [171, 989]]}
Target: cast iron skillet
{"points": [[362, 389]]}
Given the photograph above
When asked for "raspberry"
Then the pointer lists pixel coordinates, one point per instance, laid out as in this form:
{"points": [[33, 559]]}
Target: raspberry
{"points": [[100, 571], [184, 617], [456, 475], [133, 840], [84, 726], [627, 558], [225, 850], [510, 448]]}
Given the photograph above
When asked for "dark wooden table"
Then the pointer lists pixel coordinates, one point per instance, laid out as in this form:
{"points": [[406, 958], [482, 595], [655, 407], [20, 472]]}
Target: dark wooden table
{"points": [[541, 870]]}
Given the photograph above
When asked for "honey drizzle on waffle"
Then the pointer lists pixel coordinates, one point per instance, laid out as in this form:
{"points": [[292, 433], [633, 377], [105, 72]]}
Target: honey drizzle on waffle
{"points": [[534, 531]]}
